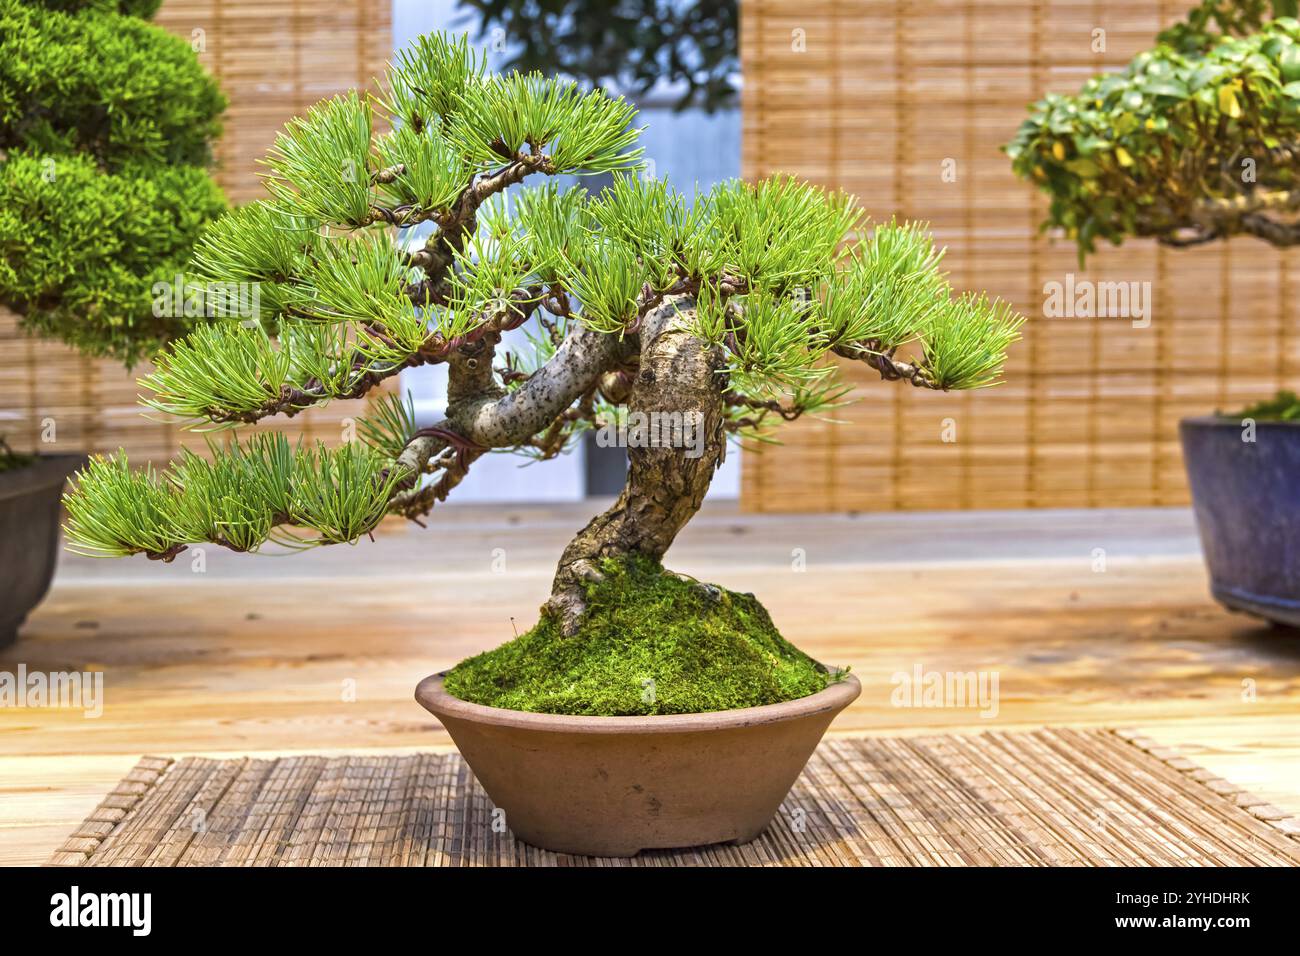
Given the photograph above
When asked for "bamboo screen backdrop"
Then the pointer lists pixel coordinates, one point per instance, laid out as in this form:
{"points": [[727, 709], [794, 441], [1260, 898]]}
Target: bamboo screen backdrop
{"points": [[273, 60], [881, 98]]}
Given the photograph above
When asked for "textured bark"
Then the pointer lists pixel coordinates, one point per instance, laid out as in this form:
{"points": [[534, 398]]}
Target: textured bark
{"points": [[665, 486], [483, 413]]}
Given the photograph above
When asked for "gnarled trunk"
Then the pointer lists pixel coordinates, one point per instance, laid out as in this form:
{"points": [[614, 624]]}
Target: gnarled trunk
{"points": [[677, 397]]}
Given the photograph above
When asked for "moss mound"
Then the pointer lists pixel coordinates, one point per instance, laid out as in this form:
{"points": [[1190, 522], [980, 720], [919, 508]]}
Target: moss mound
{"points": [[651, 643]]}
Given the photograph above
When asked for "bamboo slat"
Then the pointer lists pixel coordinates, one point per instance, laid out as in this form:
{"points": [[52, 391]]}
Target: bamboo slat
{"points": [[273, 60], [881, 98], [1040, 798]]}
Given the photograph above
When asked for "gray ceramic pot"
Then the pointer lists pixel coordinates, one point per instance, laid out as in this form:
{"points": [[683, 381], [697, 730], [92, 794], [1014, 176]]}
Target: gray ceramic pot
{"points": [[29, 535]]}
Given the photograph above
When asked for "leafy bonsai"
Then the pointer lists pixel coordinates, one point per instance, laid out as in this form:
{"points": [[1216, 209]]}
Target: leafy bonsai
{"points": [[1196, 141], [683, 323], [105, 126]]}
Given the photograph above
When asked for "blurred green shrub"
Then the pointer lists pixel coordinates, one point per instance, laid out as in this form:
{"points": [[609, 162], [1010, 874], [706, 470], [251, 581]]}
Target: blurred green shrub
{"points": [[1195, 140], [106, 124]]}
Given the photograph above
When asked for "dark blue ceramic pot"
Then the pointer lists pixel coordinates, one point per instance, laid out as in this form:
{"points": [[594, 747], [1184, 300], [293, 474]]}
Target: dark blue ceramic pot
{"points": [[1246, 495]]}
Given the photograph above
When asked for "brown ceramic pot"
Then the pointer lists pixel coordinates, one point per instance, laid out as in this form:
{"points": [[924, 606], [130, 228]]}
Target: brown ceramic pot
{"points": [[612, 786]]}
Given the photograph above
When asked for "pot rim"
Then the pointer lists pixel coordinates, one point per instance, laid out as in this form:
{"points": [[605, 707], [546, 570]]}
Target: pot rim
{"points": [[1232, 421], [44, 472], [433, 696]]}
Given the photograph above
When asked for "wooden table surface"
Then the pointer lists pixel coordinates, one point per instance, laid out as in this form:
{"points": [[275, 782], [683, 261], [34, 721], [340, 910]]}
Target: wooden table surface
{"points": [[1085, 617]]}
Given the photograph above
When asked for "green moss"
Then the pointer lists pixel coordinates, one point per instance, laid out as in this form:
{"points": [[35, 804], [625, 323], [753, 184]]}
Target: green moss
{"points": [[1284, 407], [651, 643]]}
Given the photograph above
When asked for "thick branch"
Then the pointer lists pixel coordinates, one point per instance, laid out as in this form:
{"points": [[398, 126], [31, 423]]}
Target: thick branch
{"points": [[480, 417], [1280, 234], [1264, 214], [512, 419]]}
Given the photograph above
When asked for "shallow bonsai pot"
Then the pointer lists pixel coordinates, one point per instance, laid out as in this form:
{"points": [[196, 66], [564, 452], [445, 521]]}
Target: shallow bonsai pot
{"points": [[29, 535], [1247, 501], [612, 786]]}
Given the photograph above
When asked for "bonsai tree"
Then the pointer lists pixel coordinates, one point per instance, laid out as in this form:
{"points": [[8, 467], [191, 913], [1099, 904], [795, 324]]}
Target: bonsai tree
{"points": [[105, 130], [105, 125], [684, 322], [1195, 141]]}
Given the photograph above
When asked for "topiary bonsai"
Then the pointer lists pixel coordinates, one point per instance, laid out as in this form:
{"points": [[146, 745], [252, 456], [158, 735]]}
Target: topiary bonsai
{"points": [[1196, 141], [682, 324], [105, 130], [105, 124]]}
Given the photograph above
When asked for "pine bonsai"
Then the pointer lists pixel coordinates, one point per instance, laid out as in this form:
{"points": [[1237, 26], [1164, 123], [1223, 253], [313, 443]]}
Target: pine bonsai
{"points": [[105, 130], [685, 323]]}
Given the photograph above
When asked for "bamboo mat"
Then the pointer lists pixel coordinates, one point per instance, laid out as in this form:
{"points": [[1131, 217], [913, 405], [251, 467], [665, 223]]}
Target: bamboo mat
{"points": [[1042, 798]]}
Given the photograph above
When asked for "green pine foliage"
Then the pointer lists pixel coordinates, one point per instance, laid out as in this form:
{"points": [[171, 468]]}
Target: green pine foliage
{"points": [[1194, 134], [585, 132], [105, 130], [321, 162], [241, 497], [786, 278], [640, 44]]}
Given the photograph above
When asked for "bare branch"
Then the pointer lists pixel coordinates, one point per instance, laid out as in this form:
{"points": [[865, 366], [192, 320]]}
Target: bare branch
{"points": [[788, 412], [415, 502], [883, 361]]}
